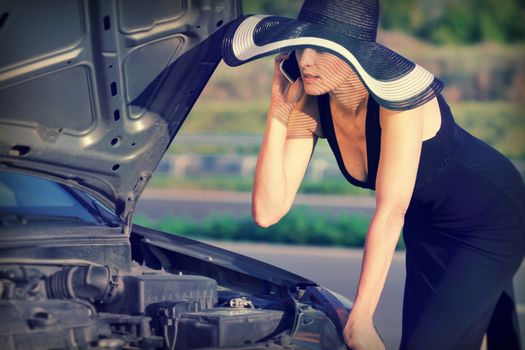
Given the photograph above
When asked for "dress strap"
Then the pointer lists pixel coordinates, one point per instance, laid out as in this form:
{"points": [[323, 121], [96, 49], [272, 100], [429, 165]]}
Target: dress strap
{"points": [[373, 140]]}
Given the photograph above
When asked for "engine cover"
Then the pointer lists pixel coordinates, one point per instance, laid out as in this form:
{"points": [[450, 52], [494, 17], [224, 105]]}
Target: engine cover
{"points": [[142, 292]]}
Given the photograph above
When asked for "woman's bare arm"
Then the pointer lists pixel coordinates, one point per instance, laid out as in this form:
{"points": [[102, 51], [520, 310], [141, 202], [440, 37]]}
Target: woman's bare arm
{"points": [[401, 142], [280, 169], [283, 158]]}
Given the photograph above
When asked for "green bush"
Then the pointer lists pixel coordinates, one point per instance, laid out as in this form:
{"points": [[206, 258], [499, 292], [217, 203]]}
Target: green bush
{"points": [[302, 226]]}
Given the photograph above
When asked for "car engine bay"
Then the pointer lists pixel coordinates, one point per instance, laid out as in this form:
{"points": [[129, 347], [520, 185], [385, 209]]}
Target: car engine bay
{"points": [[93, 306]]}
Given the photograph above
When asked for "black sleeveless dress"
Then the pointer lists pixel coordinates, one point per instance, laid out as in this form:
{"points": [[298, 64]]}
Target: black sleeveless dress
{"points": [[464, 233]]}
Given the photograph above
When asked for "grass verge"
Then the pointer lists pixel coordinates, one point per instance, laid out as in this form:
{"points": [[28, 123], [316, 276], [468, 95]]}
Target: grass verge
{"points": [[303, 226]]}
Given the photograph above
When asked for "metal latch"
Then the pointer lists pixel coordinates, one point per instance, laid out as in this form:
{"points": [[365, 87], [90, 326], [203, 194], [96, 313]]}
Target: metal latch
{"points": [[241, 303]]}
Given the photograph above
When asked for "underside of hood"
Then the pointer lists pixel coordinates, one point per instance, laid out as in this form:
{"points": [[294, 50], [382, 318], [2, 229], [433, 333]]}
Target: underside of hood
{"points": [[92, 92]]}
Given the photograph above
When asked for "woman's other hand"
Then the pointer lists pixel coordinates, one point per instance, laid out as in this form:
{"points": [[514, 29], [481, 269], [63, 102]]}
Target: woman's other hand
{"points": [[362, 335]]}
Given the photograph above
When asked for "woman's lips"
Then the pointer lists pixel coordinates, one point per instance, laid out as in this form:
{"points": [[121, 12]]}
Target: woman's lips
{"points": [[310, 78]]}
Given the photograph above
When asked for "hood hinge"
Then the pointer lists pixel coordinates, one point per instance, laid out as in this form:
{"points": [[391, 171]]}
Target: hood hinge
{"points": [[131, 200]]}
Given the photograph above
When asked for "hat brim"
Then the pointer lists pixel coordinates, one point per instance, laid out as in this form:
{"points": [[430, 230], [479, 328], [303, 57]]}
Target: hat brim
{"points": [[395, 82]]}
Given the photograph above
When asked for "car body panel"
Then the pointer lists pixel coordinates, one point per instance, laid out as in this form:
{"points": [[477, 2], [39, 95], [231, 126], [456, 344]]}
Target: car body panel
{"points": [[93, 92], [159, 250]]}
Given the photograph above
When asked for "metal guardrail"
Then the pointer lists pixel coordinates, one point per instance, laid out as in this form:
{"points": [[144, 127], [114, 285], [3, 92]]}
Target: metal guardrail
{"points": [[216, 139], [322, 164], [187, 165], [184, 165]]}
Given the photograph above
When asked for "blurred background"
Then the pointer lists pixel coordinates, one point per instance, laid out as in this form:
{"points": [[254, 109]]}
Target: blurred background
{"points": [[202, 187]]}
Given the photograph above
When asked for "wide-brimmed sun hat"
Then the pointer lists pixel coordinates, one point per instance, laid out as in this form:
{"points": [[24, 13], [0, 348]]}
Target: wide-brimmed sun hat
{"points": [[346, 28]]}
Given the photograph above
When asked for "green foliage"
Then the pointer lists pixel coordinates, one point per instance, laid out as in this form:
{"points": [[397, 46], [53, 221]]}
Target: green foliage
{"points": [[457, 22], [302, 226], [400, 14], [499, 124], [503, 20], [289, 8], [444, 21]]}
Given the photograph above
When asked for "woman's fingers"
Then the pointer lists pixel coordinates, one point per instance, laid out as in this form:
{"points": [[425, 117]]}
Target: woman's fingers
{"points": [[295, 91], [281, 57], [361, 334], [284, 93], [280, 84]]}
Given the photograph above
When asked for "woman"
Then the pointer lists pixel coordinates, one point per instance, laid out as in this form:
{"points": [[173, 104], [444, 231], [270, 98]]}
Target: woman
{"points": [[460, 203]]}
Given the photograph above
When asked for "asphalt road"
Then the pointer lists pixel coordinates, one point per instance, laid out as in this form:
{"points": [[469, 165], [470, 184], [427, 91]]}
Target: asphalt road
{"points": [[335, 268]]}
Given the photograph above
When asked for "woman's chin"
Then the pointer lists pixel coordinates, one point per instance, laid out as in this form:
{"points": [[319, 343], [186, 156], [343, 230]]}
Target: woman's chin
{"points": [[314, 90]]}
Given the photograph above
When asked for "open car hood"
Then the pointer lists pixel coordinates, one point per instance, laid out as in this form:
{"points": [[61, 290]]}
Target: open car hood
{"points": [[92, 92]]}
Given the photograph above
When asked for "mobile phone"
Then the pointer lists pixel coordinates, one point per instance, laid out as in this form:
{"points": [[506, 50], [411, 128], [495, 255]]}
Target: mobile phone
{"points": [[290, 68]]}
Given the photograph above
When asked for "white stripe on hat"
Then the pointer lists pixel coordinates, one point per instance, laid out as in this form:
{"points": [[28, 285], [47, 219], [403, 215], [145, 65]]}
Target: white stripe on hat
{"points": [[404, 88]]}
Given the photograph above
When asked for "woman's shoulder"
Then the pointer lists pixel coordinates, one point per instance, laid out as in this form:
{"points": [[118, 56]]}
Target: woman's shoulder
{"points": [[429, 107], [429, 113]]}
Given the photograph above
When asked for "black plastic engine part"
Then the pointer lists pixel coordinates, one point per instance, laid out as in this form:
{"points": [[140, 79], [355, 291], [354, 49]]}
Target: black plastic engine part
{"points": [[48, 324], [19, 282], [94, 283], [227, 327], [136, 328], [145, 292], [20, 274]]}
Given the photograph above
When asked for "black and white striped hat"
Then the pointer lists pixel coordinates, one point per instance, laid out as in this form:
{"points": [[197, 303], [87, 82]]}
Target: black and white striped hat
{"points": [[346, 28]]}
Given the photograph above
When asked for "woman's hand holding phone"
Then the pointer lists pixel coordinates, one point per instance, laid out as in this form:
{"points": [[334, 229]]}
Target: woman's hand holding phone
{"points": [[284, 94], [290, 68]]}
